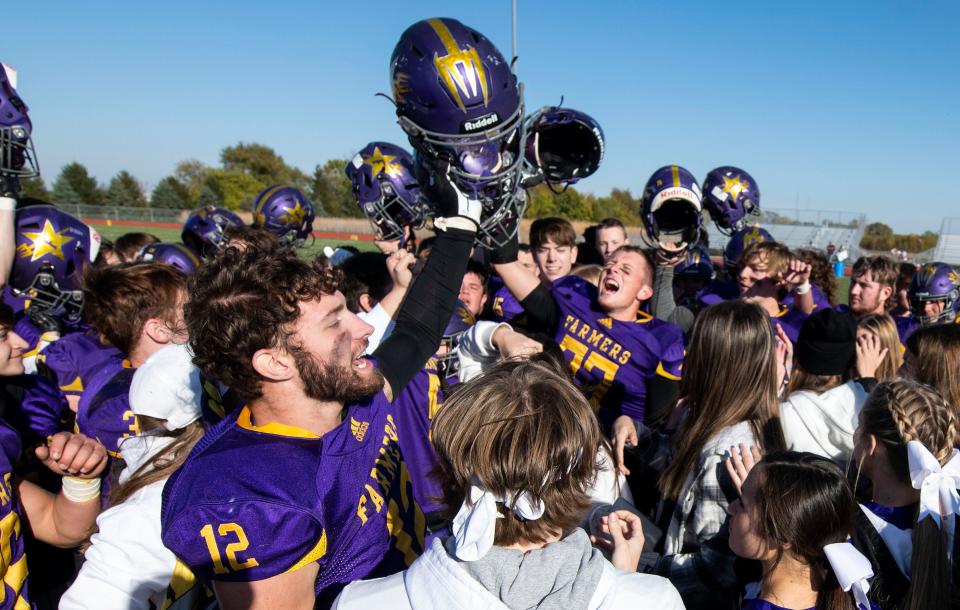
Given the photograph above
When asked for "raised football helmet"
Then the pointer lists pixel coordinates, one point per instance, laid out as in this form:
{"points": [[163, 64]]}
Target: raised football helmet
{"points": [[18, 159], [730, 195], [386, 189], [671, 209], [203, 230], [462, 109], [178, 256], [564, 145], [284, 211], [935, 282], [739, 242], [448, 364]]}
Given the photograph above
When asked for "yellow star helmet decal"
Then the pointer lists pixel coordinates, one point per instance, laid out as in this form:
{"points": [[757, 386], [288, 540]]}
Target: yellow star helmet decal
{"points": [[380, 162], [295, 216], [46, 241], [734, 186]]}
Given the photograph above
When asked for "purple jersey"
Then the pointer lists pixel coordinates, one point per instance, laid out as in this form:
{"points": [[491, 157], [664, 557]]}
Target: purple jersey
{"points": [[74, 359], [43, 411], [16, 303], [415, 408], [790, 320], [285, 498], [905, 328], [717, 291], [613, 358], [504, 305], [107, 416], [13, 563]]}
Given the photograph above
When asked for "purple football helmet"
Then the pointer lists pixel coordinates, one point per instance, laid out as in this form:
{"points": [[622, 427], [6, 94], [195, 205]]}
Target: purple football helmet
{"points": [[461, 105], [17, 157], [460, 322], [284, 211], [179, 256], [935, 282], [730, 195], [203, 230], [382, 175], [696, 264], [670, 208], [53, 251], [563, 145], [739, 242]]}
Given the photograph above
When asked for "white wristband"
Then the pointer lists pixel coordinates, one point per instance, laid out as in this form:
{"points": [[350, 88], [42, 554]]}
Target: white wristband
{"points": [[7, 204], [456, 222], [803, 288], [76, 489]]}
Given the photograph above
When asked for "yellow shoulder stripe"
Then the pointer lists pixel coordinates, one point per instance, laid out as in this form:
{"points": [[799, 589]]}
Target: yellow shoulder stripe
{"points": [[315, 553]]}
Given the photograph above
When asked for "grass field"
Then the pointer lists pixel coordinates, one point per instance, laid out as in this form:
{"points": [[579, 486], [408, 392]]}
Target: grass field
{"points": [[173, 235]]}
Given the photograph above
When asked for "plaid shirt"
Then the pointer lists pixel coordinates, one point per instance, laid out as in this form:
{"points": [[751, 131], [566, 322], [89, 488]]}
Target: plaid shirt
{"points": [[695, 554]]}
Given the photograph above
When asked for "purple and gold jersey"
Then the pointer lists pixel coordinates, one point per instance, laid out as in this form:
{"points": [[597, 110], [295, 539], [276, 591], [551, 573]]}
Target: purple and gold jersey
{"points": [[42, 410], [503, 304], [74, 359], [614, 358], [415, 407], [906, 326], [285, 498], [717, 291], [820, 300], [106, 416], [790, 320], [13, 560]]}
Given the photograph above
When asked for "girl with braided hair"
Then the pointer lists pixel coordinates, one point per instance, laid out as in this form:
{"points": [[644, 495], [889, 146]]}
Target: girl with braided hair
{"points": [[904, 444]]}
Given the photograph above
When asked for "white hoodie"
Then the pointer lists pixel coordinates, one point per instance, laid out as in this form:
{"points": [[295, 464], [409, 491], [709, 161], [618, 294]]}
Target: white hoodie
{"points": [[823, 423], [436, 582]]}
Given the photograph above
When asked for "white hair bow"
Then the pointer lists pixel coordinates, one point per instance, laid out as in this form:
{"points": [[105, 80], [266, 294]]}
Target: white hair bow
{"points": [[937, 484], [475, 524], [852, 570]]}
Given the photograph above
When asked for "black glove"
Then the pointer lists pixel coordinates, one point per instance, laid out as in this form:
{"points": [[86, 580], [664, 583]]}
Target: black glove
{"points": [[42, 319]]}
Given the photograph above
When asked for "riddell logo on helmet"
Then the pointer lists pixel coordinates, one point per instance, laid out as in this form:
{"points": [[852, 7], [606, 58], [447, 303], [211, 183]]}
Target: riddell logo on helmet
{"points": [[484, 121]]}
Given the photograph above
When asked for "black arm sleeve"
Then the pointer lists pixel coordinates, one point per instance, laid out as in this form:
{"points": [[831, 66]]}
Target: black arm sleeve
{"points": [[542, 310], [426, 310], [662, 394]]}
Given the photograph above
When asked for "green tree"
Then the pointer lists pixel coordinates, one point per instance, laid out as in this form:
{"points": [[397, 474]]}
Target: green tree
{"points": [[83, 186], [331, 191], [191, 173], [170, 193], [125, 192], [209, 196], [263, 164], [35, 188], [237, 190], [63, 193]]}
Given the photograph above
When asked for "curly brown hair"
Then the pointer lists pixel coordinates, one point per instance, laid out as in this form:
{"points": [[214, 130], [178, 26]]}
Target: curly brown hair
{"points": [[245, 301]]}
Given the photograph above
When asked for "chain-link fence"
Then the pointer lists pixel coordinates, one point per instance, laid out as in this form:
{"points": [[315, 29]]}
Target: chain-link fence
{"points": [[128, 214]]}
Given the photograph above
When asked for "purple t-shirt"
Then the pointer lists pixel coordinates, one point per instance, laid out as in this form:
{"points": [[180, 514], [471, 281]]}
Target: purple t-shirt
{"points": [[14, 564], [613, 358], [252, 502], [106, 415]]}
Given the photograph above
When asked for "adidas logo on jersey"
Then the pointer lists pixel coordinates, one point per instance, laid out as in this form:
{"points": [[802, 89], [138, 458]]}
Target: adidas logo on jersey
{"points": [[358, 429]]}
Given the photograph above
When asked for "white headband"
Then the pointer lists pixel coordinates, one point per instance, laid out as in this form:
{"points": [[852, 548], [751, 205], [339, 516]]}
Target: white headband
{"points": [[852, 570], [937, 485], [475, 524]]}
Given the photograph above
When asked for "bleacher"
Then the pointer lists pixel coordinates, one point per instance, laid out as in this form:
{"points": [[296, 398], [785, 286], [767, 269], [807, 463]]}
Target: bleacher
{"points": [[802, 236], [948, 246]]}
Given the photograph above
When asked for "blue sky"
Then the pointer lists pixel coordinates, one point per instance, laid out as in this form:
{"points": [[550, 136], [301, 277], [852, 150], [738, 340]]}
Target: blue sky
{"points": [[840, 106]]}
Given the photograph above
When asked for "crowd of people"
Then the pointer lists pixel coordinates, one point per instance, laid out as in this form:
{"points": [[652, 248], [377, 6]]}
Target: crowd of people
{"points": [[462, 419]]}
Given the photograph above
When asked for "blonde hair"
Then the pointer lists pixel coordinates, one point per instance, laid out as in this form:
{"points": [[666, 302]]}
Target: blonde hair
{"points": [[591, 273], [519, 427], [883, 326]]}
